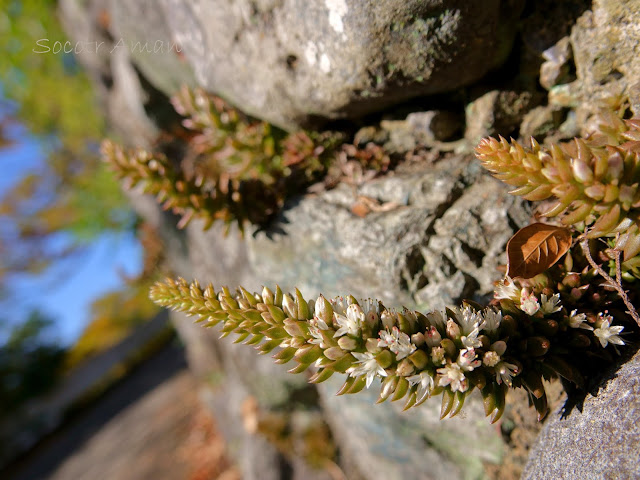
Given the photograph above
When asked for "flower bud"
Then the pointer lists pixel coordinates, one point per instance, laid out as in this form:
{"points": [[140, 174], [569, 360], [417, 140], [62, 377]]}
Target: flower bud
{"points": [[499, 347], [388, 387], [289, 306], [538, 346], [292, 328], [432, 337], [453, 330], [334, 353], [388, 319], [572, 280], [347, 343], [547, 326], [372, 345], [417, 339], [405, 368], [267, 296]]}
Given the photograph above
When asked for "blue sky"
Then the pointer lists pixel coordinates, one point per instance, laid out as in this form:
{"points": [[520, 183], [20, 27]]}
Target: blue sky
{"points": [[66, 290]]}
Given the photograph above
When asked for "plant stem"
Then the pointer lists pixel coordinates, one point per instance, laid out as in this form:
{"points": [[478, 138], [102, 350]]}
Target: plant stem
{"points": [[584, 243]]}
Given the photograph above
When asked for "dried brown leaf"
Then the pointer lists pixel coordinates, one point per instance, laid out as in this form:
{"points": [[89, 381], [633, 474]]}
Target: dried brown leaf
{"points": [[535, 248]]}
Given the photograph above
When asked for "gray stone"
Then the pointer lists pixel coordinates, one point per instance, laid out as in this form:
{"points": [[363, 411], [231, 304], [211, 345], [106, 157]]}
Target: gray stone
{"points": [[388, 444], [540, 121], [434, 125], [141, 30], [606, 51], [463, 256], [445, 223], [294, 62], [401, 138], [497, 112], [555, 69], [601, 441]]}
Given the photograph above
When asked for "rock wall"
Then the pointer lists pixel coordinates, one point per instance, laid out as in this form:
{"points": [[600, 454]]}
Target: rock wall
{"points": [[435, 229]]}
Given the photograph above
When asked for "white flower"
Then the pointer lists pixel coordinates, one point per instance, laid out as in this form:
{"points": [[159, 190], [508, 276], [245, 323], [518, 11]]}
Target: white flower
{"points": [[317, 339], [507, 289], [492, 319], [397, 341], [505, 372], [437, 355], [351, 323], [471, 340], [368, 366], [528, 302], [608, 334], [340, 304], [371, 310], [467, 359], [576, 320], [550, 305], [425, 385], [468, 319], [453, 375], [491, 358]]}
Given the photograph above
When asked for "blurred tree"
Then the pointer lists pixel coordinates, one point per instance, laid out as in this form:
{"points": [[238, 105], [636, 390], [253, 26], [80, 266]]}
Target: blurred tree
{"points": [[59, 207], [50, 213], [30, 361], [113, 316]]}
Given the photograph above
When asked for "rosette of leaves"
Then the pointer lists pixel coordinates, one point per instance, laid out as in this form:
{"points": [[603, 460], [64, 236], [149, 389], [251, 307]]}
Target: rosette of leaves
{"points": [[594, 182], [530, 337]]}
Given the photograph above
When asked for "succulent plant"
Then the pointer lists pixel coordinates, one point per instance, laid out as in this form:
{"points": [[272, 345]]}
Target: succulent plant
{"points": [[238, 169], [595, 182], [188, 197], [531, 336]]}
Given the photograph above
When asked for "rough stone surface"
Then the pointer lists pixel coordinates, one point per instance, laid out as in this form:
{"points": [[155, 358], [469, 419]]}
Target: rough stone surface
{"points": [[389, 444], [150, 44], [601, 441], [555, 69], [606, 49], [296, 62], [442, 239], [434, 125], [497, 112]]}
